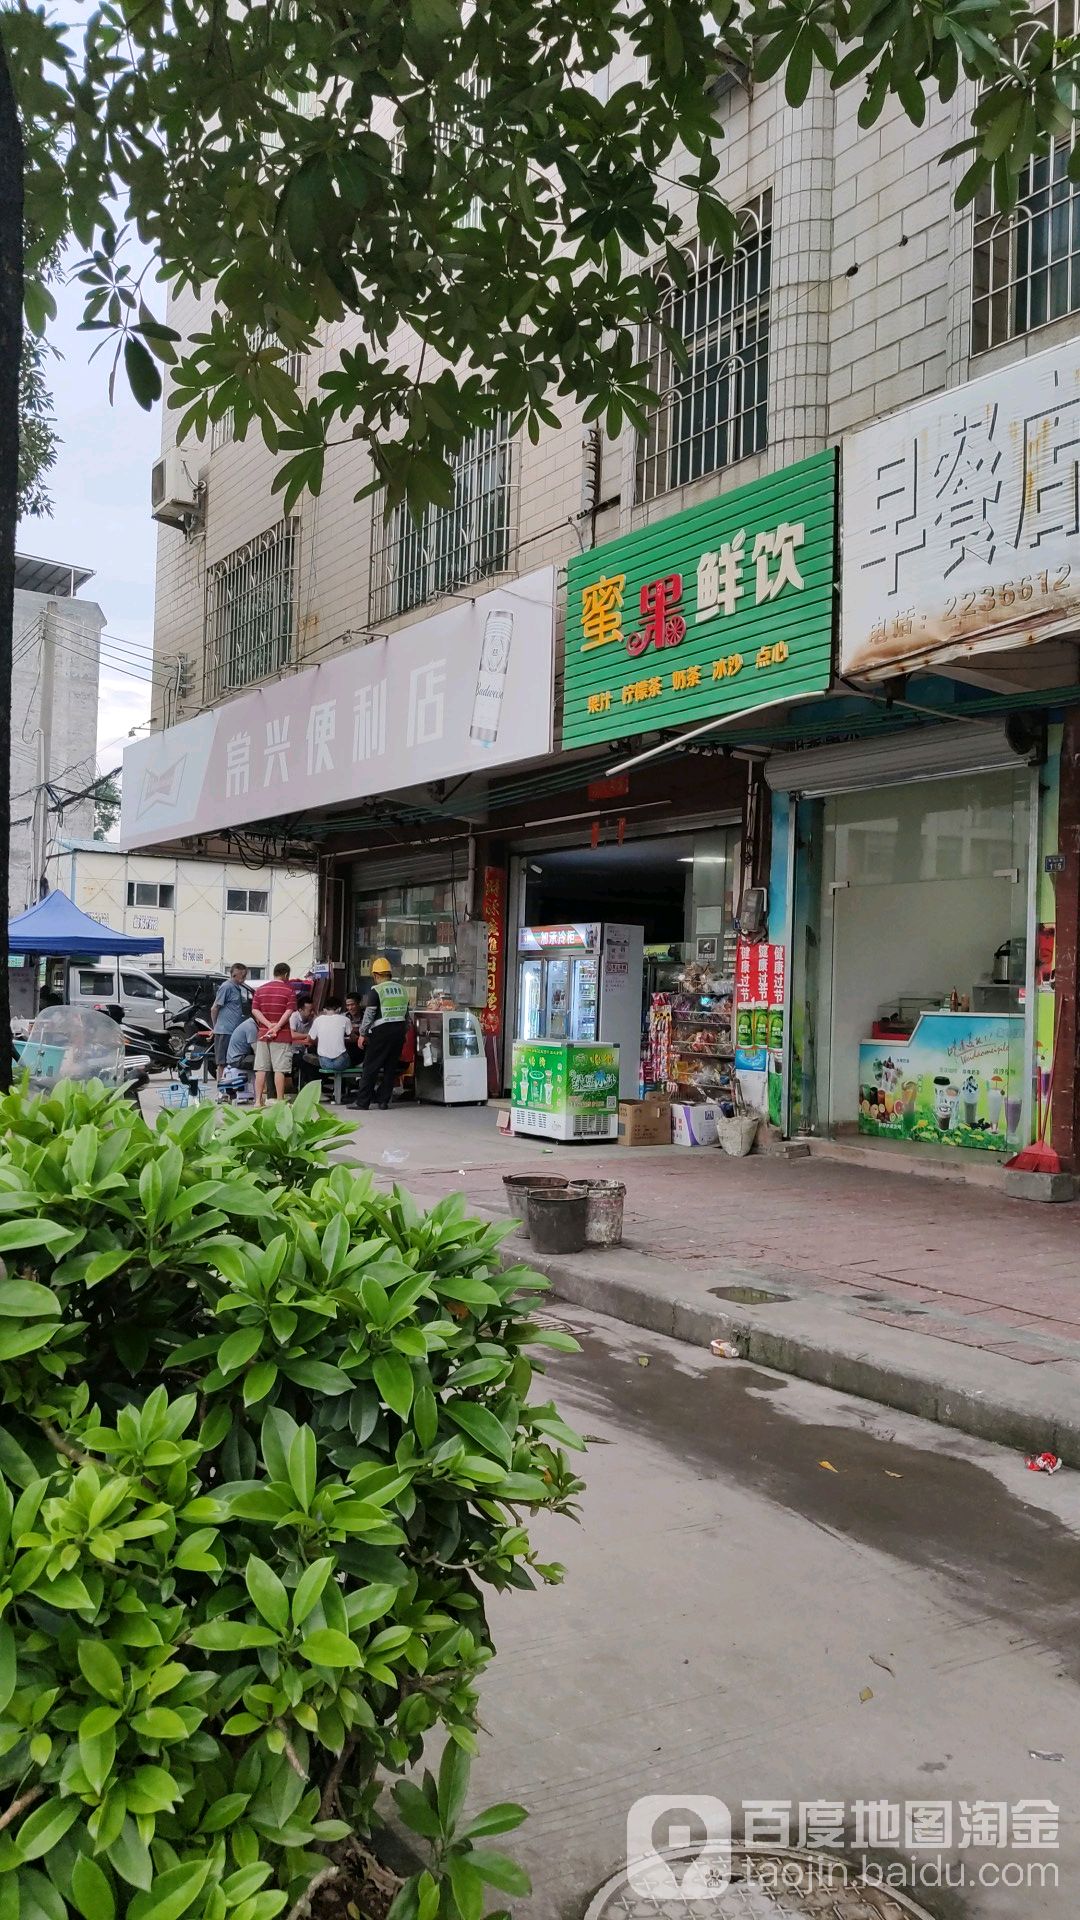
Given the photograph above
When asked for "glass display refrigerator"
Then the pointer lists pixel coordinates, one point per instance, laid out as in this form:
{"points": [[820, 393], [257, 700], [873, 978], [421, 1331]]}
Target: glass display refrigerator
{"points": [[583, 982], [451, 1067]]}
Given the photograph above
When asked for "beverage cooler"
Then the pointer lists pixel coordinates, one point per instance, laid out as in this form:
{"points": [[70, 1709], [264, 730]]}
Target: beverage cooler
{"points": [[583, 983]]}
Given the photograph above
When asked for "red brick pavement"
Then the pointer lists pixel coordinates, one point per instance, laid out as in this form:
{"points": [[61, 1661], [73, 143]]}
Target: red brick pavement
{"points": [[960, 1262]]}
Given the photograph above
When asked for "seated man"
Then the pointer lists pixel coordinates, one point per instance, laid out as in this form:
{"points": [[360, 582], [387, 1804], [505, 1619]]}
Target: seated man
{"points": [[238, 1077], [327, 1037], [299, 1028]]}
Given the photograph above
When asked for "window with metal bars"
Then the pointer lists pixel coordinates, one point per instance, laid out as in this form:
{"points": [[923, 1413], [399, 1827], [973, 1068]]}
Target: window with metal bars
{"points": [[251, 610], [1025, 268], [221, 431], [712, 407], [415, 560], [445, 137]]}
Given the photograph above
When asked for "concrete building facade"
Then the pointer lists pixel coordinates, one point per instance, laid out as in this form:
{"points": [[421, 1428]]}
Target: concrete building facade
{"points": [[54, 704], [209, 912], [856, 293], [857, 290]]}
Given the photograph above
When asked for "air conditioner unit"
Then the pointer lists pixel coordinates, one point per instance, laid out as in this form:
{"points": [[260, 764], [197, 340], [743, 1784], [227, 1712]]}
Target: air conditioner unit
{"points": [[174, 489]]}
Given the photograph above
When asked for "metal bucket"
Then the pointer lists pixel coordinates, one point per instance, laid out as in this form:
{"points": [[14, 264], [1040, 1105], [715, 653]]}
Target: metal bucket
{"points": [[517, 1187], [558, 1219], [604, 1223]]}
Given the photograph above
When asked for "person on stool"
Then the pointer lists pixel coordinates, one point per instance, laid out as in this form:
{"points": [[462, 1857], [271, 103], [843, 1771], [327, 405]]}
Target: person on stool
{"points": [[382, 1030]]}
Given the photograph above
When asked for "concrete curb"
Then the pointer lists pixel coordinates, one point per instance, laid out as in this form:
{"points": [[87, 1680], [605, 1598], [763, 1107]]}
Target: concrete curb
{"points": [[1028, 1408], [978, 1393]]}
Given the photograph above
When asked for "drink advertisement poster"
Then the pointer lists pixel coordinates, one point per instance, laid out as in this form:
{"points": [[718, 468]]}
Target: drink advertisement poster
{"points": [[955, 1083]]}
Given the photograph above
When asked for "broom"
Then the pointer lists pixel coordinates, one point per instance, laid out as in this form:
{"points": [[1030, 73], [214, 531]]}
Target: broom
{"points": [[1040, 1158]]}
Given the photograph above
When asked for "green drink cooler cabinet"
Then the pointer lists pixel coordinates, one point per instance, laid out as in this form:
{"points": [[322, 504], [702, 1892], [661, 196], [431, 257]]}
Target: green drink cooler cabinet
{"points": [[565, 1090]]}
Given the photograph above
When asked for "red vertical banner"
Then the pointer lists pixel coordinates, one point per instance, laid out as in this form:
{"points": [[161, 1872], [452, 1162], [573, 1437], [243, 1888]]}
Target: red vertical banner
{"points": [[491, 1017], [759, 974]]}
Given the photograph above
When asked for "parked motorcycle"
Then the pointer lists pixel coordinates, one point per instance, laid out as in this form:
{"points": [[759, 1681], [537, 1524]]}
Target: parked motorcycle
{"points": [[143, 1043], [193, 1066]]}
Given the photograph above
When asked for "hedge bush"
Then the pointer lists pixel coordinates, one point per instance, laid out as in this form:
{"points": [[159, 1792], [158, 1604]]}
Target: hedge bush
{"points": [[266, 1436]]}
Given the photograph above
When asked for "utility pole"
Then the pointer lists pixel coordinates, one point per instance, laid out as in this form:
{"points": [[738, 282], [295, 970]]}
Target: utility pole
{"points": [[12, 160]]}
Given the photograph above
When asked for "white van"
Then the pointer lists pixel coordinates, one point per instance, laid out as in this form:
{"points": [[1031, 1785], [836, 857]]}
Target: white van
{"points": [[106, 981]]}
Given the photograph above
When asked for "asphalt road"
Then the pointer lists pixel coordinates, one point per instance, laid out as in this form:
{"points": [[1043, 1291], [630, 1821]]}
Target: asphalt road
{"points": [[743, 1621]]}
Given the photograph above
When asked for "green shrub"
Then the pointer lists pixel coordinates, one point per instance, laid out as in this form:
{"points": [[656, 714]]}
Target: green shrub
{"points": [[266, 1434]]}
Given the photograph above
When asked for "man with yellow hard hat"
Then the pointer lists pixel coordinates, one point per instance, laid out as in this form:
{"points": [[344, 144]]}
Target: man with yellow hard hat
{"points": [[382, 1030]]}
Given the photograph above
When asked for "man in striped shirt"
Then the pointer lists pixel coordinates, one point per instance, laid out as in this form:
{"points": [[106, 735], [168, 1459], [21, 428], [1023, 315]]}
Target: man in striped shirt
{"points": [[273, 1004]]}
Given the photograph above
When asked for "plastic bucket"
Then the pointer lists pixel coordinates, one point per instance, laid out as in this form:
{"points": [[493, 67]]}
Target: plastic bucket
{"points": [[604, 1222], [558, 1219]]}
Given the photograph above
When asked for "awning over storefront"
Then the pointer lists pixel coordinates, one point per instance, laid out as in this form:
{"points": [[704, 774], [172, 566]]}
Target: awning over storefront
{"points": [[464, 692]]}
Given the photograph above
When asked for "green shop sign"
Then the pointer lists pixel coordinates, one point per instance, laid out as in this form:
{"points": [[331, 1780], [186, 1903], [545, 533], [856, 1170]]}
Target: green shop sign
{"points": [[720, 609]]}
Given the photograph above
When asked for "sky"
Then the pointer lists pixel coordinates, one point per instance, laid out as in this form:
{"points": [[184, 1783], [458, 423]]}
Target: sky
{"points": [[101, 516]]}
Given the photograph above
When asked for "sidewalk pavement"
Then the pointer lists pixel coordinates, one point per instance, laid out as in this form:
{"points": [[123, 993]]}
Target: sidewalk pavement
{"points": [[940, 1299]]}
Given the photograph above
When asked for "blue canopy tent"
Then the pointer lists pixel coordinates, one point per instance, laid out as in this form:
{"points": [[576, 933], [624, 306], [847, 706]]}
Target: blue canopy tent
{"points": [[57, 926]]}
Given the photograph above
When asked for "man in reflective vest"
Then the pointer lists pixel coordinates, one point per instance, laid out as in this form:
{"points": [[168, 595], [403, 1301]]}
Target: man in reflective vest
{"points": [[383, 1028]]}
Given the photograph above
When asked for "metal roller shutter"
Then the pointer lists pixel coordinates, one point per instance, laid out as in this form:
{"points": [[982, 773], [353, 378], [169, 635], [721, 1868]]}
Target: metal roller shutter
{"points": [[919, 753], [410, 869]]}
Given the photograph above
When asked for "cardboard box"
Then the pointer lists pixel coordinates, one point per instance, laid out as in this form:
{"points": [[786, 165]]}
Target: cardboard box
{"points": [[645, 1123], [694, 1126]]}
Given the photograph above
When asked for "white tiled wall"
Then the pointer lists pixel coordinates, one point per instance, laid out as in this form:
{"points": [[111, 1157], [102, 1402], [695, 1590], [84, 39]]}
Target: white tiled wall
{"points": [[870, 283]]}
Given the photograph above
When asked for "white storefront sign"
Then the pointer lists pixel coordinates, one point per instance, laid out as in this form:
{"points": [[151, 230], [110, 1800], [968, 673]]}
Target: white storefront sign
{"points": [[467, 690], [961, 520]]}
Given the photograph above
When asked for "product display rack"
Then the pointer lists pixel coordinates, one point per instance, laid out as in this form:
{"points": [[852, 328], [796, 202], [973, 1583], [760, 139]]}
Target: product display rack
{"points": [[690, 1031]]}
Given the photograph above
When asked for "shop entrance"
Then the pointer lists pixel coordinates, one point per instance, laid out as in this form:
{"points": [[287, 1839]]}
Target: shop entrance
{"points": [[913, 974], [674, 896]]}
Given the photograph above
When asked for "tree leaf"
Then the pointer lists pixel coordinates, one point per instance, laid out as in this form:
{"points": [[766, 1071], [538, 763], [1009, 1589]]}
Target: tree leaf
{"points": [[8, 1664], [45, 1827], [239, 1348], [454, 1770], [501, 1818], [303, 1460], [143, 376], [394, 1378], [17, 1234], [228, 1636], [482, 1426], [500, 1871], [159, 1723], [328, 1648], [27, 1297], [416, 1811], [268, 1593], [91, 1891], [467, 1886], [101, 1670], [308, 1589]]}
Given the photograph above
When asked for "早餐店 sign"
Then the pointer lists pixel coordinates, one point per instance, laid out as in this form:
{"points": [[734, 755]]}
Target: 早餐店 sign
{"points": [[718, 610], [962, 520]]}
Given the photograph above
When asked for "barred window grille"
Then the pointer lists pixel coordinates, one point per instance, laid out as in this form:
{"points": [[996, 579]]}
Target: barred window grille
{"points": [[1026, 261], [221, 431], [712, 410], [251, 610], [415, 560], [445, 137]]}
